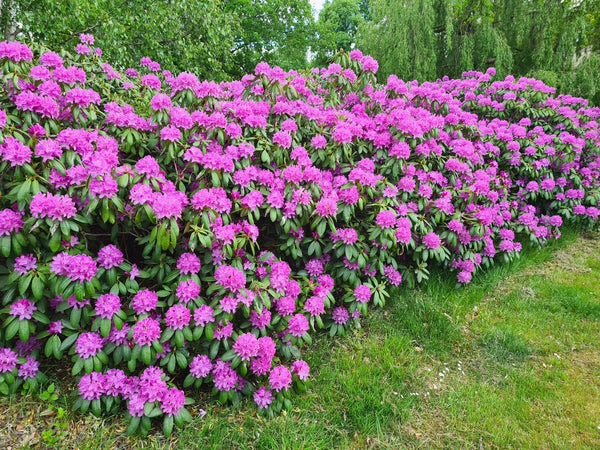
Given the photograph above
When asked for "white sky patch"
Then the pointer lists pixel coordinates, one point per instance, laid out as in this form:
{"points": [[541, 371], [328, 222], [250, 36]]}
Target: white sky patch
{"points": [[317, 6]]}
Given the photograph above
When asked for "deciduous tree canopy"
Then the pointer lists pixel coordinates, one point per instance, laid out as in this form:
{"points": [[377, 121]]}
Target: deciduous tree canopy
{"points": [[183, 35]]}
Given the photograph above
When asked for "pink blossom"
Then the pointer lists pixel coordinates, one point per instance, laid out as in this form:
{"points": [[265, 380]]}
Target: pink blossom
{"points": [[246, 346], [297, 325], [230, 278], [263, 397], [280, 378], [146, 331], [110, 256], [432, 241], [15, 152], [22, 309], [177, 317], [362, 293], [144, 301]]}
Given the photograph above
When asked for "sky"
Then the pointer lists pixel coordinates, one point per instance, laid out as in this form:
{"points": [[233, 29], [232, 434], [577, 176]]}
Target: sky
{"points": [[317, 5]]}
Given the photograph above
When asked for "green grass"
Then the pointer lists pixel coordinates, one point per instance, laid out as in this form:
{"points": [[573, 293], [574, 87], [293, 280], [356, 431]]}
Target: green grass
{"points": [[510, 361]]}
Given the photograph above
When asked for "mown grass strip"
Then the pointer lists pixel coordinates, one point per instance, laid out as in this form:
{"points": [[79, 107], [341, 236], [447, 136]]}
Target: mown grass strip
{"points": [[510, 360]]}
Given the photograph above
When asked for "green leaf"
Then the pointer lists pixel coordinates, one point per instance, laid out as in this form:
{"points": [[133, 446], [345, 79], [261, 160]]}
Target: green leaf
{"points": [[88, 364], [54, 243], [24, 283], [179, 339], [171, 363], [12, 329], [228, 355], [181, 360], [133, 426], [158, 348], [185, 415], [189, 380], [118, 322], [24, 190], [51, 343], [24, 330], [96, 407], [146, 355], [5, 245], [105, 326], [75, 317], [131, 365], [77, 367], [235, 362], [209, 331], [68, 342], [168, 426], [37, 287]]}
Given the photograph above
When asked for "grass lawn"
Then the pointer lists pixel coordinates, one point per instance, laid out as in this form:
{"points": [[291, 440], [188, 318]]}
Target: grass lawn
{"points": [[512, 360]]}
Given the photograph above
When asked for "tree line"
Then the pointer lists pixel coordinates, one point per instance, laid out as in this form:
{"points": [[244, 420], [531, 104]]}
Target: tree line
{"points": [[557, 41]]}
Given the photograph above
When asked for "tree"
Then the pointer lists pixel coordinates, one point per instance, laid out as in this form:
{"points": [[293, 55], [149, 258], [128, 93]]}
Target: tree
{"points": [[401, 37], [278, 32], [336, 27], [182, 35], [426, 39]]}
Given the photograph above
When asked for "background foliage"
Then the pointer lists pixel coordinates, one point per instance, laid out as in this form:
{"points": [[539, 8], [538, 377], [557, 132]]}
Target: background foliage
{"points": [[555, 41]]}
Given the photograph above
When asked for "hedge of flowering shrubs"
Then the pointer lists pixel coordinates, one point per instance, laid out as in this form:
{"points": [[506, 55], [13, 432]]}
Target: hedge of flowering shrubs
{"points": [[167, 235]]}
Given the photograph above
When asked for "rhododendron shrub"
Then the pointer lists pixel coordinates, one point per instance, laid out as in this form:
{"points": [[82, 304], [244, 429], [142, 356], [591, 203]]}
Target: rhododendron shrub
{"points": [[168, 235]]}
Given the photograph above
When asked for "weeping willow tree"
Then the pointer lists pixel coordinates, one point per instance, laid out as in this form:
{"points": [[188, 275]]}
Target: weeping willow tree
{"points": [[401, 37], [555, 40]]}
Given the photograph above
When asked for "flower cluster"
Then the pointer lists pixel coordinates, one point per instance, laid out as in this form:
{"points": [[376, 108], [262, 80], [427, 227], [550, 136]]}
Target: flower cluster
{"points": [[210, 228]]}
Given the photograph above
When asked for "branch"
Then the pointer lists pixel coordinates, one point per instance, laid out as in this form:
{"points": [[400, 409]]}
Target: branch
{"points": [[77, 33]]}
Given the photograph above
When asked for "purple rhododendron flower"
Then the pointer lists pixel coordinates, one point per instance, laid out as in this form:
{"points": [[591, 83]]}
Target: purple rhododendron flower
{"points": [[8, 360], [260, 321], [297, 325], [280, 378], [203, 315], [386, 219], [109, 256], [225, 378], [29, 368], [172, 401], [201, 366], [362, 293], [246, 346], [187, 290], [177, 317], [10, 222], [314, 305], [263, 397], [88, 345], [146, 331], [107, 305], [91, 386], [301, 369], [188, 263], [22, 309], [144, 301], [230, 278], [340, 315], [25, 263], [432, 241]]}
